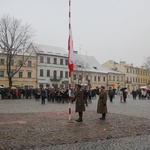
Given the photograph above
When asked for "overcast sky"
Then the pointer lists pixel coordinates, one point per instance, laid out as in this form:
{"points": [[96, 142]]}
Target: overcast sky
{"points": [[116, 30]]}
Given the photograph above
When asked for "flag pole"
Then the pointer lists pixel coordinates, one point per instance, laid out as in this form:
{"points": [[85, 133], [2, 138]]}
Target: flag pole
{"points": [[70, 48]]}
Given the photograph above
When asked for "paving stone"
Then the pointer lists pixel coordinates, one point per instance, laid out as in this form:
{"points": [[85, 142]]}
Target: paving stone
{"points": [[28, 125]]}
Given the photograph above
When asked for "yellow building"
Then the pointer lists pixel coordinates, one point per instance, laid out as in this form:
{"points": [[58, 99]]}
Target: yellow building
{"points": [[143, 76], [129, 71], [25, 77], [116, 80]]}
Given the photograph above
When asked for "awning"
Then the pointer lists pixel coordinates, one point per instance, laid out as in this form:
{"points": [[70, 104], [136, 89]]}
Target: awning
{"points": [[144, 87], [43, 82]]}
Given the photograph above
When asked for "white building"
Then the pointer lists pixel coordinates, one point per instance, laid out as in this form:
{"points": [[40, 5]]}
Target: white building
{"points": [[52, 65]]}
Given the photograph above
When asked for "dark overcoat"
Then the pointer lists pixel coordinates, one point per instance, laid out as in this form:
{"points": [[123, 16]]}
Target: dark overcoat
{"points": [[80, 105], [102, 103]]}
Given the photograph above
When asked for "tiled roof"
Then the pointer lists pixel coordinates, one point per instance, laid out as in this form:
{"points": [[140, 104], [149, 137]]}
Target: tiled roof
{"points": [[52, 50]]}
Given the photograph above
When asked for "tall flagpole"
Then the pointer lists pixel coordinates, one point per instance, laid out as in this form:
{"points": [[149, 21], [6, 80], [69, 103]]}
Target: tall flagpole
{"points": [[68, 60]]}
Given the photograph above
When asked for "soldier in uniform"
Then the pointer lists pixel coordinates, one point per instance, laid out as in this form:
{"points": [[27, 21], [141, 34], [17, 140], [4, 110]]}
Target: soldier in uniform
{"points": [[80, 105], [102, 103]]}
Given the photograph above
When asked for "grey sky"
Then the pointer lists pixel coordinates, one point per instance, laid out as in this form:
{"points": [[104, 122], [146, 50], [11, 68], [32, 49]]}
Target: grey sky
{"points": [[107, 29]]}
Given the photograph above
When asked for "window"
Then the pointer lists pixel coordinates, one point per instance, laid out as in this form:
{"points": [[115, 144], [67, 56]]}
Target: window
{"points": [[29, 63], [29, 75], [66, 74], [74, 77], [104, 79], [117, 78], [98, 78], [139, 80], [66, 62], [121, 78], [127, 79], [48, 60], [86, 77], [113, 78], [41, 59], [127, 70], [41, 72], [48, 73], [2, 61], [1, 73], [80, 77], [55, 60], [55, 74], [94, 78], [20, 63], [20, 74], [61, 74], [109, 77], [61, 61]]}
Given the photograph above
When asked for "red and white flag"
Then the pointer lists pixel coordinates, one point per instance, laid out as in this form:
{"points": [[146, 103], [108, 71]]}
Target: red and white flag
{"points": [[70, 52]]}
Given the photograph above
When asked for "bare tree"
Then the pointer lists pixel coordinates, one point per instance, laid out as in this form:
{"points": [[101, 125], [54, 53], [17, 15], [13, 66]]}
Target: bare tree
{"points": [[80, 67], [14, 39], [147, 63]]}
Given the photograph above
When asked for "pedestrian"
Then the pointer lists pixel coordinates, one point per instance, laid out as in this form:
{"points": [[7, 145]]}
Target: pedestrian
{"points": [[43, 95], [85, 95], [111, 94], [124, 95], [80, 105], [102, 103]]}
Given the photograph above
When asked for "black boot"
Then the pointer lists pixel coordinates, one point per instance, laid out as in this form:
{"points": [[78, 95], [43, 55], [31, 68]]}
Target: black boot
{"points": [[80, 117], [103, 116]]}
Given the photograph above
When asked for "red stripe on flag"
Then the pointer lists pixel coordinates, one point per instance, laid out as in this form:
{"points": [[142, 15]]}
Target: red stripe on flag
{"points": [[70, 53]]}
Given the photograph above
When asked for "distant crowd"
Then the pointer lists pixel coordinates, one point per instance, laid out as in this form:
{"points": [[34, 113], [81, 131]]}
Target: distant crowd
{"points": [[59, 95]]}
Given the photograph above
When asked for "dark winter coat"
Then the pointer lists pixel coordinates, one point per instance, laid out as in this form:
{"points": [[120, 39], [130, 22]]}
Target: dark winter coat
{"points": [[80, 105], [102, 102]]}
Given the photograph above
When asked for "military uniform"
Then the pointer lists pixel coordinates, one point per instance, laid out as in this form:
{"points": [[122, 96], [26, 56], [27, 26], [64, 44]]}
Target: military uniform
{"points": [[80, 105], [102, 104]]}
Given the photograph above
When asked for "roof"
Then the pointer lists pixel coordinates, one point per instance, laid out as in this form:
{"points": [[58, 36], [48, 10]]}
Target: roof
{"points": [[91, 64], [52, 50]]}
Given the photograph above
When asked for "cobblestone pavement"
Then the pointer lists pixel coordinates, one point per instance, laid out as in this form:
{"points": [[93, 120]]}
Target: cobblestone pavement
{"points": [[28, 125]]}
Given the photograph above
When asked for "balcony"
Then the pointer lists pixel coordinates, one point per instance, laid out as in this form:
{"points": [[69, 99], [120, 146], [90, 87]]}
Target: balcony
{"points": [[55, 78]]}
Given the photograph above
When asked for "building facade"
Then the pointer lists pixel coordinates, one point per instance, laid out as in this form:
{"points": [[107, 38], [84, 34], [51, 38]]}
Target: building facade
{"points": [[25, 77], [134, 76], [52, 65]]}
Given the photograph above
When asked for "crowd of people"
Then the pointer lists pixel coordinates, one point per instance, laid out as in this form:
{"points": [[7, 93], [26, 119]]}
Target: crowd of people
{"points": [[82, 95], [59, 95]]}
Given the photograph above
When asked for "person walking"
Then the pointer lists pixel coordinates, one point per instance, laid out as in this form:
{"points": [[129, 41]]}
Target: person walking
{"points": [[80, 104], [102, 103]]}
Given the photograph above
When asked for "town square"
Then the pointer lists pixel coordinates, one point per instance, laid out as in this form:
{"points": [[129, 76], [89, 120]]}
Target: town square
{"points": [[74, 75]]}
